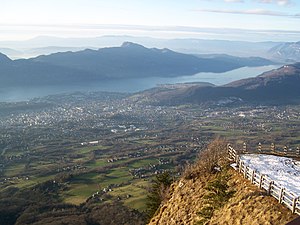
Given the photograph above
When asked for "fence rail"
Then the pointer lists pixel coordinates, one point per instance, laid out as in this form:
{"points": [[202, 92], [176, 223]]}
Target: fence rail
{"points": [[283, 150], [285, 197]]}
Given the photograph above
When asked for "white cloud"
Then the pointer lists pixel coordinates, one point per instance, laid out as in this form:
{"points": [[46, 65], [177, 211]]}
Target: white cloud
{"points": [[233, 1], [284, 2], [265, 1], [262, 12], [279, 2]]}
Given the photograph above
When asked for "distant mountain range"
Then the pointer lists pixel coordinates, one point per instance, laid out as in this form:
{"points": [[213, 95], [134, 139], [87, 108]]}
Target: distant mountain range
{"points": [[48, 45], [278, 86], [289, 52], [128, 61], [280, 51]]}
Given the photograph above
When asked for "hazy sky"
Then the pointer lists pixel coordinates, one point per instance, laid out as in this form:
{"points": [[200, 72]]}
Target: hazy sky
{"points": [[270, 19]]}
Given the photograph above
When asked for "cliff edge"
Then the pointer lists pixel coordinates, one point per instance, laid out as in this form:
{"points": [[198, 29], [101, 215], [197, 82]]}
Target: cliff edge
{"points": [[210, 192]]}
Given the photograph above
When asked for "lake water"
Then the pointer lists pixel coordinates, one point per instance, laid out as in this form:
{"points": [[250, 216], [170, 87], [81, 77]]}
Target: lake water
{"points": [[132, 85]]}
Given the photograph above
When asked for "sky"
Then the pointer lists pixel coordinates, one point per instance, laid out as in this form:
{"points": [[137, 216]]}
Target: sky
{"points": [[211, 19]]}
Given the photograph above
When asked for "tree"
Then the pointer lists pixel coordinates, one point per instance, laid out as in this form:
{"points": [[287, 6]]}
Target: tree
{"points": [[158, 192]]}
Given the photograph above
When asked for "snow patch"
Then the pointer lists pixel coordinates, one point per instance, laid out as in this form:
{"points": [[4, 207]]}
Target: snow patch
{"points": [[284, 171]]}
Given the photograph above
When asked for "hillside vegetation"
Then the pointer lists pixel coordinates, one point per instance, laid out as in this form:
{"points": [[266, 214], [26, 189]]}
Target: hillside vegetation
{"points": [[275, 87], [210, 192]]}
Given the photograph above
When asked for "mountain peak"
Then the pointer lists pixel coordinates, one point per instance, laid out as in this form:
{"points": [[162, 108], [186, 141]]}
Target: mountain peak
{"points": [[4, 58], [128, 44]]}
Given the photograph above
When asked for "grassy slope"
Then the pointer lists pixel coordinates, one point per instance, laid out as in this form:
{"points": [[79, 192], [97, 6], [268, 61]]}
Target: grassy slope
{"points": [[249, 205]]}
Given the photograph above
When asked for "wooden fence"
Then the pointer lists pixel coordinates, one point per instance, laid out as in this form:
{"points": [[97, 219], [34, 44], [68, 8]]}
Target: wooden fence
{"points": [[285, 197], [274, 149]]}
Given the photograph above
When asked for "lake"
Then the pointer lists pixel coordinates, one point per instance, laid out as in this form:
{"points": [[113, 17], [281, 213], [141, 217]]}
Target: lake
{"points": [[132, 84]]}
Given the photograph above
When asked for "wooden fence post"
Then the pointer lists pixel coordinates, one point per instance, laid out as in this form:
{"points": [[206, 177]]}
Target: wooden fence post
{"points": [[244, 147], [245, 171], [252, 176], [237, 160], [280, 195], [294, 204], [285, 150], [270, 187], [259, 147], [240, 166], [230, 152], [273, 148], [261, 180]]}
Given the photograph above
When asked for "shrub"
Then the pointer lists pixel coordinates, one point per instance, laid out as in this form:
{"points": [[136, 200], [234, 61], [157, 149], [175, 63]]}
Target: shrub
{"points": [[210, 160], [158, 192]]}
